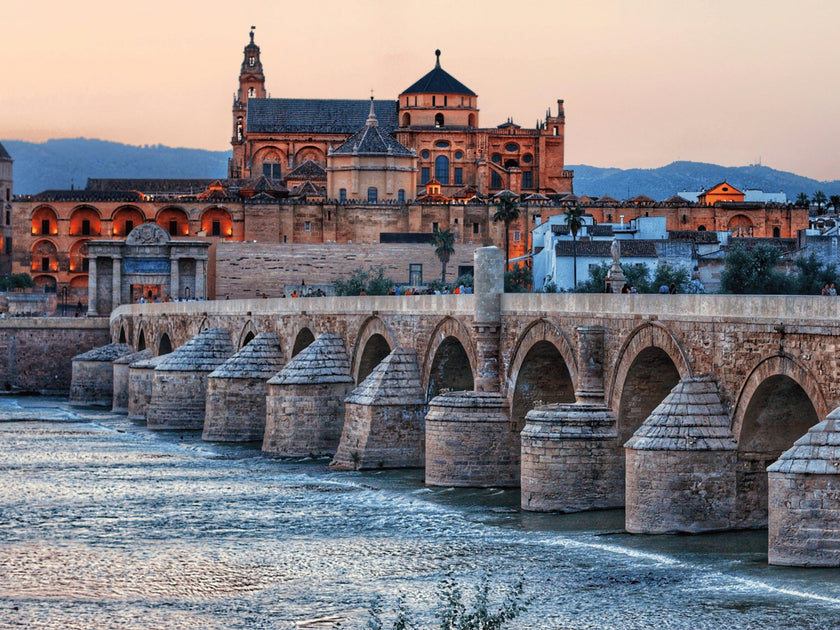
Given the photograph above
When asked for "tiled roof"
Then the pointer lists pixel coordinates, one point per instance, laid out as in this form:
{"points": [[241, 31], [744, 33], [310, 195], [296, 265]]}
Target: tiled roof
{"points": [[815, 453], [372, 139], [312, 115], [323, 361], [308, 188], [259, 359], [396, 380], [308, 170], [785, 245], [4, 155], [694, 236], [691, 418], [203, 353], [105, 353], [88, 195], [676, 200], [601, 249], [179, 186], [438, 81], [600, 230]]}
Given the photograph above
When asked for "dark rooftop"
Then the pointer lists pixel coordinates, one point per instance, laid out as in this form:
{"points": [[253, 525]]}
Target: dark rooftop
{"points": [[311, 115], [4, 155], [601, 249], [308, 170], [438, 81]]}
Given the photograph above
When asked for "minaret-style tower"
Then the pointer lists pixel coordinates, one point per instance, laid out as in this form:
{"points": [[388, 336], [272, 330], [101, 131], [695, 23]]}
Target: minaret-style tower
{"points": [[251, 85]]}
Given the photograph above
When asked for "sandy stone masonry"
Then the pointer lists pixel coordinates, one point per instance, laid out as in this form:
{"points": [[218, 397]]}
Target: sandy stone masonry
{"points": [[141, 376], [384, 417], [122, 370], [237, 389], [804, 505], [93, 375], [179, 386], [681, 464], [305, 402]]}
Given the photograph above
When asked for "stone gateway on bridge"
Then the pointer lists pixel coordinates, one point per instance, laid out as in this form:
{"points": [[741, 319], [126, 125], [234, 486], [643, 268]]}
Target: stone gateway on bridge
{"points": [[543, 391]]}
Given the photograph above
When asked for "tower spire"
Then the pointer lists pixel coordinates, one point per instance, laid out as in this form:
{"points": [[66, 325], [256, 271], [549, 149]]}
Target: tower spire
{"points": [[437, 60], [371, 120]]}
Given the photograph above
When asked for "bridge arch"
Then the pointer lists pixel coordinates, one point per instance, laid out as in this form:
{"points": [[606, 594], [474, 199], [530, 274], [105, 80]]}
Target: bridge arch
{"points": [[779, 401], [248, 332], [649, 364], [542, 367], [373, 343], [449, 359], [164, 344], [304, 338]]}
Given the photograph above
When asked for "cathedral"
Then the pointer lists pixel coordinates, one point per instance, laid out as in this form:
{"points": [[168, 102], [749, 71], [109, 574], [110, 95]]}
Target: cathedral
{"points": [[436, 118]]}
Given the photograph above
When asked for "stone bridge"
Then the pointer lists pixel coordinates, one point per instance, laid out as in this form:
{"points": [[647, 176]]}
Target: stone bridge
{"points": [[543, 391]]}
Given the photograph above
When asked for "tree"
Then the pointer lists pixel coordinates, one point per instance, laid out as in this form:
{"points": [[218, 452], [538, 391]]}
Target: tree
{"points": [[518, 279], [819, 199], [372, 282], [812, 275], [444, 244], [507, 211], [574, 219], [803, 200], [754, 271], [834, 200]]}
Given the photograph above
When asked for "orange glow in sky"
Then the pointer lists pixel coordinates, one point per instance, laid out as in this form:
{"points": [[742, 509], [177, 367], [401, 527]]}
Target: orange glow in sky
{"points": [[645, 82]]}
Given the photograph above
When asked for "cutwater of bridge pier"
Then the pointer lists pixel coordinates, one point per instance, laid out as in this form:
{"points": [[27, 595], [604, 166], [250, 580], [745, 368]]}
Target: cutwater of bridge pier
{"points": [[673, 406]]}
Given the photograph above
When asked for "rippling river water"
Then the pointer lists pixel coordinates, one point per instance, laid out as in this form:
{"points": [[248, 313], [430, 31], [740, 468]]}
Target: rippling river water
{"points": [[104, 524]]}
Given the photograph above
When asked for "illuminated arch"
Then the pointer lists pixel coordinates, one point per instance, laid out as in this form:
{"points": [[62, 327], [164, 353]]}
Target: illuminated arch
{"points": [[124, 219], [44, 256], [44, 221], [174, 220], [85, 221], [79, 256], [217, 221]]}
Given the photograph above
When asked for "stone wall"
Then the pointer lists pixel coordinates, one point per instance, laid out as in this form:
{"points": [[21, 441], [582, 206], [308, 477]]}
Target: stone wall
{"points": [[246, 269], [36, 353]]}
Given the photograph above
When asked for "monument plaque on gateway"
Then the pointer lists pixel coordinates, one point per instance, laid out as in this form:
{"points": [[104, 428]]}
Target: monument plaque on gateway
{"points": [[147, 265]]}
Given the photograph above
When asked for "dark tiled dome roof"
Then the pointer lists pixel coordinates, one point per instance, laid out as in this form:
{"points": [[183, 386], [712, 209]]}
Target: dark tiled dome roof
{"points": [[438, 81]]}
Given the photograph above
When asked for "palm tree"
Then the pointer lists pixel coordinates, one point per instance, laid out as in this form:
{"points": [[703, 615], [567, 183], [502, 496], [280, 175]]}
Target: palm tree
{"points": [[834, 200], [574, 219], [444, 244], [819, 199], [802, 199], [507, 210]]}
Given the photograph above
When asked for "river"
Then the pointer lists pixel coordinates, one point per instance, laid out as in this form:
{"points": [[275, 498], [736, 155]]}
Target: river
{"points": [[104, 524]]}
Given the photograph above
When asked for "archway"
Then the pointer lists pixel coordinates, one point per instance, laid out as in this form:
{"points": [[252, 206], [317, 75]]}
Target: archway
{"points": [[741, 225], [650, 378], [248, 338], [406, 120], [123, 338], [542, 376], [451, 369], [376, 348], [217, 222], [79, 257], [310, 153], [85, 221], [165, 345], [304, 339], [174, 220], [126, 219], [141, 341], [779, 402], [44, 221], [44, 256]]}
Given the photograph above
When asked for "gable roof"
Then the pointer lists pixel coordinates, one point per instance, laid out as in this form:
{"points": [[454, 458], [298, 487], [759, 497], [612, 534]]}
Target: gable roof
{"points": [[438, 81], [4, 155], [313, 115], [714, 188], [308, 170], [601, 249]]}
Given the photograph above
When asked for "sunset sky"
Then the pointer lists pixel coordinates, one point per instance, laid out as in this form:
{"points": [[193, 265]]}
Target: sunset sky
{"points": [[645, 82]]}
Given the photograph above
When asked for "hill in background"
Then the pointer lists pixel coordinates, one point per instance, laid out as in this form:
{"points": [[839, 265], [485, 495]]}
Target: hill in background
{"points": [[60, 164]]}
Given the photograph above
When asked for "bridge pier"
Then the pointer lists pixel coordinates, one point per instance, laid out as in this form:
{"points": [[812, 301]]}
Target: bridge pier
{"points": [[571, 460], [121, 370], [179, 385], [305, 401], [470, 440], [141, 375], [681, 464], [383, 418], [92, 381], [804, 499], [237, 389]]}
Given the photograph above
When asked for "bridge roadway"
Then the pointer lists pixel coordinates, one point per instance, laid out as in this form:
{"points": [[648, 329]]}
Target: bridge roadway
{"points": [[773, 360]]}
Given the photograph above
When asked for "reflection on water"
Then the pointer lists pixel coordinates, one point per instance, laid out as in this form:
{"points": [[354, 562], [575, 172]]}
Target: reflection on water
{"points": [[106, 525]]}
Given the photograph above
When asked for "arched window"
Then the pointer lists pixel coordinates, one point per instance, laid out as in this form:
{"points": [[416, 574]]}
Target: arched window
{"points": [[471, 120], [373, 194], [406, 120], [776, 232], [438, 120], [442, 169], [342, 194]]}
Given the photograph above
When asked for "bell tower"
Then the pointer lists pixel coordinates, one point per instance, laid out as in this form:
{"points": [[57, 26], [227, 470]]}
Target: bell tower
{"points": [[251, 85]]}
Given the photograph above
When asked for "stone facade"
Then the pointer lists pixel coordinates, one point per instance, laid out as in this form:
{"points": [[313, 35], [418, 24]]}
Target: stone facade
{"points": [[305, 402], [570, 459], [179, 386], [93, 375], [383, 418], [804, 504], [141, 376], [237, 390], [25, 342], [121, 379]]}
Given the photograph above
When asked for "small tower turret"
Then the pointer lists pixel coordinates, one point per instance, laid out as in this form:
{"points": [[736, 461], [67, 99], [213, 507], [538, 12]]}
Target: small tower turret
{"points": [[251, 85]]}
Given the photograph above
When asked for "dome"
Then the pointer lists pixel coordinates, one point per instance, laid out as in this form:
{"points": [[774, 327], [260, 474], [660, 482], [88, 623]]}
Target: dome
{"points": [[438, 81]]}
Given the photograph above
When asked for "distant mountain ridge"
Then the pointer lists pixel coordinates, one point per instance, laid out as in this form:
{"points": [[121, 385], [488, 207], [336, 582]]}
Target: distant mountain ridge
{"points": [[69, 162]]}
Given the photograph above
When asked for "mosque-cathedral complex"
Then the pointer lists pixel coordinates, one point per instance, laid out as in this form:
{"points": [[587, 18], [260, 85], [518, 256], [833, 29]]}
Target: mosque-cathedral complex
{"points": [[373, 179]]}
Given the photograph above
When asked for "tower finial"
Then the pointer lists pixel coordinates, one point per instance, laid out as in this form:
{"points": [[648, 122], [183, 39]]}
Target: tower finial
{"points": [[437, 61], [252, 34], [371, 120]]}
